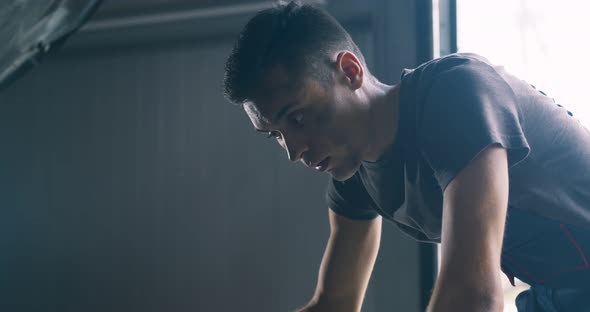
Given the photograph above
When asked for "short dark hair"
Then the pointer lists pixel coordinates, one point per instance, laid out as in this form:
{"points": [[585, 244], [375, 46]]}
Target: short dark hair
{"points": [[298, 37]]}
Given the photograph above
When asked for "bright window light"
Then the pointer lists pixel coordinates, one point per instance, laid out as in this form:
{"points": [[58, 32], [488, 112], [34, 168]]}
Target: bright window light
{"points": [[541, 41], [544, 42]]}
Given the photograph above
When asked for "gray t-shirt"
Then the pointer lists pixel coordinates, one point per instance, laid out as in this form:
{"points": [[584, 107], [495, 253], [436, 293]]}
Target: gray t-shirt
{"points": [[450, 110]]}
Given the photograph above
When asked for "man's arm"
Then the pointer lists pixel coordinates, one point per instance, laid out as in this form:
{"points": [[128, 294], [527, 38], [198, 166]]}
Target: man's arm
{"points": [[474, 213], [347, 264]]}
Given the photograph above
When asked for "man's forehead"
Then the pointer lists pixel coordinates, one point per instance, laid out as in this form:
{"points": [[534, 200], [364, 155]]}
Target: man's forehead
{"points": [[259, 120]]}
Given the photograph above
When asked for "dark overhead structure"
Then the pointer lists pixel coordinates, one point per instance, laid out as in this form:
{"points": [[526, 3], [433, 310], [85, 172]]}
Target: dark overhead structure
{"points": [[29, 29]]}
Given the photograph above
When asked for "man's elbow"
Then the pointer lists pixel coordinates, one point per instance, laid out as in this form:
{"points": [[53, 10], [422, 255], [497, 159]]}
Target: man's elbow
{"points": [[488, 302]]}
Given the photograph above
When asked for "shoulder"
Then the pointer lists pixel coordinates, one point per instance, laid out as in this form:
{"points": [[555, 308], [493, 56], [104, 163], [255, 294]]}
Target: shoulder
{"points": [[451, 66], [444, 79]]}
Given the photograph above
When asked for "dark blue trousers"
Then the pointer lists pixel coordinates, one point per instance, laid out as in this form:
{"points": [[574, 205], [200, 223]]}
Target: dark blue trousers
{"points": [[540, 298], [551, 256]]}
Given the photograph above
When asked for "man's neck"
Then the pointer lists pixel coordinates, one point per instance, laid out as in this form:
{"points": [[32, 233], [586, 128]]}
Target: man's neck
{"points": [[383, 123]]}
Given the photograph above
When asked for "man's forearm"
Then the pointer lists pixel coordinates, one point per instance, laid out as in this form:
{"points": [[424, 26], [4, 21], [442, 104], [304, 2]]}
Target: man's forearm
{"points": [[347, 264]]}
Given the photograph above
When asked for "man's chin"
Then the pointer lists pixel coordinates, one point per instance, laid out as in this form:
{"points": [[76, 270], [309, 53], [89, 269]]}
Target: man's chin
{"points": [[342, 174]]}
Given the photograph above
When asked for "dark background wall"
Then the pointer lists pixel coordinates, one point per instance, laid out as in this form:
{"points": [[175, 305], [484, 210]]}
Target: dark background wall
{"points": [[128, 183]]}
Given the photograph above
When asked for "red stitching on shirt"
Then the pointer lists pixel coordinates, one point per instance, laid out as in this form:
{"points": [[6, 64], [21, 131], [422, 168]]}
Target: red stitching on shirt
{"points": [[575, 245], [544, 279]]}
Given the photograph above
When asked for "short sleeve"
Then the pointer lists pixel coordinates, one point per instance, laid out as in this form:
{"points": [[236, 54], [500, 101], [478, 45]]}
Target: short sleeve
{"points": [[350, 199], [469, 107]]}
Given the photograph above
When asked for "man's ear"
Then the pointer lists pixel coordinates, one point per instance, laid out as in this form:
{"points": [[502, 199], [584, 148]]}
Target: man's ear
{"points": [[349, 67]]}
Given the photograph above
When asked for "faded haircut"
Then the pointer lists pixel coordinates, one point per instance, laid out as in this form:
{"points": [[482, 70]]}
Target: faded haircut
{"points": [[299, 37]]}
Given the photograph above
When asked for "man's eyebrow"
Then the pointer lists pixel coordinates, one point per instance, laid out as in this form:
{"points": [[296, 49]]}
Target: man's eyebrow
{"points": [[284, 110]]}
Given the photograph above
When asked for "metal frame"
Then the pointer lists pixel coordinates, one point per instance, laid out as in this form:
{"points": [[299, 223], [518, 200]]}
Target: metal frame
{"points": [[448, 26], [424, 53]]}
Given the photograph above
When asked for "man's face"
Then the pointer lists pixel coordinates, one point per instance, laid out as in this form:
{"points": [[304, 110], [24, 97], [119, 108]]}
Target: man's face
{"points": [[322, 126]]}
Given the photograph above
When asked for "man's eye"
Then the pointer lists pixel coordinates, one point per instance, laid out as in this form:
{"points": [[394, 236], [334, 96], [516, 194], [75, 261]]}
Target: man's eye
{"points": [[297, 118]]}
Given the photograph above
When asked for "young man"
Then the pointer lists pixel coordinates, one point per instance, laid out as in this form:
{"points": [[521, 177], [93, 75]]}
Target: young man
{"points": [[459, 152]]}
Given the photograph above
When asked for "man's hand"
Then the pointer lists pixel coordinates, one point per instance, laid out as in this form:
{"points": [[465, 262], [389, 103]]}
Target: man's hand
{"points": [[306, 309], [326, 305], [474, 214], [312, 308]]}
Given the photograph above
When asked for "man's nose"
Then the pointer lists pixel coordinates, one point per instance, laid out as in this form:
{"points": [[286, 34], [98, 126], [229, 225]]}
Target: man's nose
{"points": [[295, 148], [294, 155]]}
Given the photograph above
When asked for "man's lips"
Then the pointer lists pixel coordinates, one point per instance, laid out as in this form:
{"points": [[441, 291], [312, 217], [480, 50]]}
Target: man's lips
{"points": [[323, 165]]}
